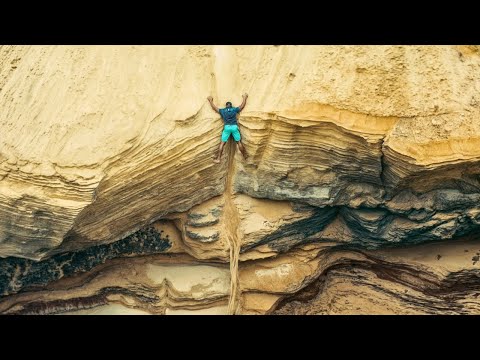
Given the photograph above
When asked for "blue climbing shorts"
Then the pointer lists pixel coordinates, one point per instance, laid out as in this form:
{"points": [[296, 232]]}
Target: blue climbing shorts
{"points": [[230, 129]]}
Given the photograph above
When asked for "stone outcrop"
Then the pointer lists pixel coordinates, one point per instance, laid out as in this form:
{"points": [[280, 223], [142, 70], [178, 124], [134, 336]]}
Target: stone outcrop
{"points": [[361, 192]]}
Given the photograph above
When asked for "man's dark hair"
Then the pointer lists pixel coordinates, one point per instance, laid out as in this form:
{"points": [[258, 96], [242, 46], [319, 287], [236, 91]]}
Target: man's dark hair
{"points": [[228, 103]]}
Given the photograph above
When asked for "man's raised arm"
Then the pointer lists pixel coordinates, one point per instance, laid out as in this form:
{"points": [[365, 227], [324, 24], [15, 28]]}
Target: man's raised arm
{"points": [[214, 107], [243, 102]]}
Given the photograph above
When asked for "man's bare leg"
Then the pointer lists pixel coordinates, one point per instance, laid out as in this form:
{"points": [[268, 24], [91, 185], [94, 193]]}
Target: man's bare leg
{"points": [[219, 155], [242, 149]]}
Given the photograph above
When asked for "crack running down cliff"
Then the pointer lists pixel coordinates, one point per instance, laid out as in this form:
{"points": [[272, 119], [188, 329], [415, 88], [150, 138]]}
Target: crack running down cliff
{"points": [[231, 224]]}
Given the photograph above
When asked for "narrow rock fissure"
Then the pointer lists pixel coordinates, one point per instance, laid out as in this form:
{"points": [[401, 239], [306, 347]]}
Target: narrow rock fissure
{"points": [[231, 223]]}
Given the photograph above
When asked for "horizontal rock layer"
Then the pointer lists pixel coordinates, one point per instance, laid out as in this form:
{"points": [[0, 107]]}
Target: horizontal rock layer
{"points": [[311, 279], [354, 151]]}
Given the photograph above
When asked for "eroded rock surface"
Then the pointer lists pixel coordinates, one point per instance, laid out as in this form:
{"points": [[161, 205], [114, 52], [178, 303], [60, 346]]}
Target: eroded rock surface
{"points": [[361, 193]]}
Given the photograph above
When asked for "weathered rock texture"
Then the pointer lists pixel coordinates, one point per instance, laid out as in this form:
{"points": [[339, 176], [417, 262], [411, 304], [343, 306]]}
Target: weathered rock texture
{"points": [[361, 193]]}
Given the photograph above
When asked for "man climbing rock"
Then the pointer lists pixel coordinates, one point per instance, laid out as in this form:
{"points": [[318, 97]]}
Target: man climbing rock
{"points": [[229, 116]]}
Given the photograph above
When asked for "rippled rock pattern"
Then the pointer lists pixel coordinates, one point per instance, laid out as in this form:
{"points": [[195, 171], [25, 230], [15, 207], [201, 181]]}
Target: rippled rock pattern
{"points": [[361, 193]]}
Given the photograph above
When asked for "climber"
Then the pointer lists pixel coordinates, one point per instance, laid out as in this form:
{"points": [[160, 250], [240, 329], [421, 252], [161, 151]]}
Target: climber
{"points": [[229, 115]]}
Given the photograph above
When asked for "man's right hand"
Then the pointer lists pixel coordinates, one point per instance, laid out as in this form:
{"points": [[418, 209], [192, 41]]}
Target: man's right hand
{"points": [[210, 98], [245, 95]]}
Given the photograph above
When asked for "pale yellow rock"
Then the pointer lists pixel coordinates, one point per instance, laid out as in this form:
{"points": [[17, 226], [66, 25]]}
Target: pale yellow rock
{"points": [[258, 303], [360, 146]]}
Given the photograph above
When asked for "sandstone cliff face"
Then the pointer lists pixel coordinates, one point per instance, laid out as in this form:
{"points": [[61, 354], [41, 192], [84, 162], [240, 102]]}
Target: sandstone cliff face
{"points": [[361, 192]]}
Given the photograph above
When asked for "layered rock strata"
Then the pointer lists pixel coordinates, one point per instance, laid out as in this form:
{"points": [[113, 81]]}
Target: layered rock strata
{"points": [[361, 192]]}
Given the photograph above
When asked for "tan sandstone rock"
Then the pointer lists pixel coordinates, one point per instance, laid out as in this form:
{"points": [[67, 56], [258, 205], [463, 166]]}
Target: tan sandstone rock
{"points": [[106, 176]]}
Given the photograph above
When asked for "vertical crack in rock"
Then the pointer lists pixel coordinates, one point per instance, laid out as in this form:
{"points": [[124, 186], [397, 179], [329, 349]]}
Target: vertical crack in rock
{"points": [[231, 224]]}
